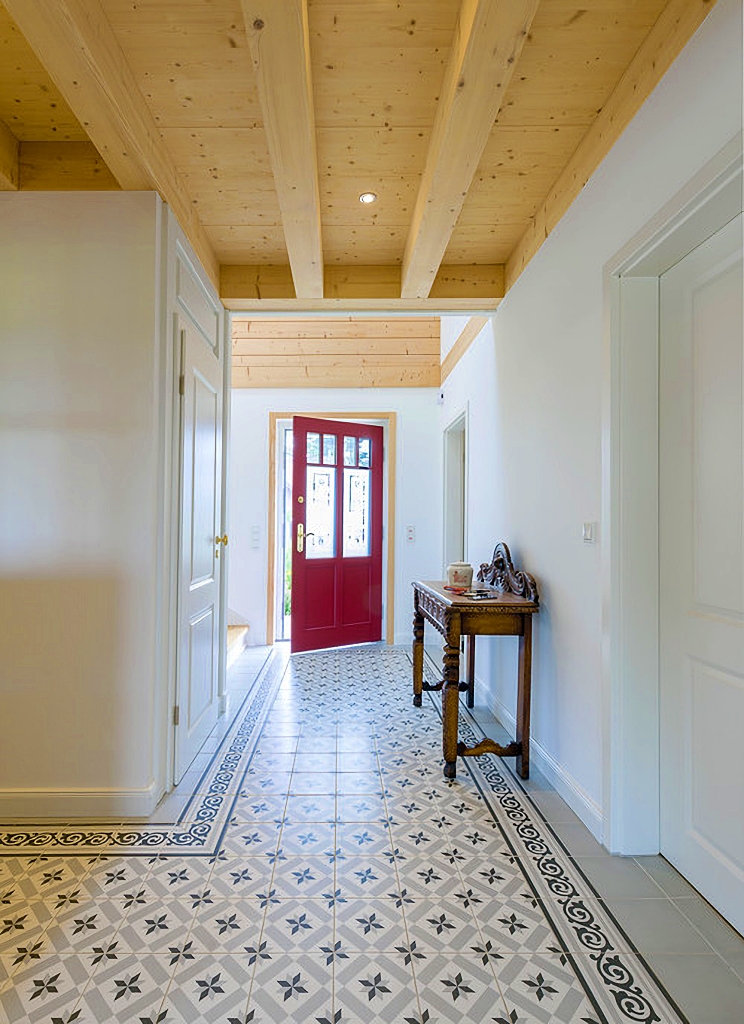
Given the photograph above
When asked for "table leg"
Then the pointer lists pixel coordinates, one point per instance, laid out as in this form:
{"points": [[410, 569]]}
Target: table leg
{"points": [[470, 643], [523, 698], [451, 695], [418, 657]]}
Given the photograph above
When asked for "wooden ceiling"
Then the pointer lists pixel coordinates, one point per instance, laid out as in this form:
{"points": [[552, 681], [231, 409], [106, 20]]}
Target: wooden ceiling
{"points": [[333, 352], [476, 123]]}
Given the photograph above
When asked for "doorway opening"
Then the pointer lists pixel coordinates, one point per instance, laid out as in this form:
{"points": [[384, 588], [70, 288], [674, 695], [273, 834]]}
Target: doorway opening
{"points": [[455, 490], [280, 539]]}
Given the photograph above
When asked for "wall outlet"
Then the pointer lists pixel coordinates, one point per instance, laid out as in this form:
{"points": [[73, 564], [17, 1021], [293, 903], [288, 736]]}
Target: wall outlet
{"points": [[410, 535]]}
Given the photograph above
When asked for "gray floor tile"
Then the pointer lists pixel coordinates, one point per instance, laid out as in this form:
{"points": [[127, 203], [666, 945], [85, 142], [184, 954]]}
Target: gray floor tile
{"points": [[618, 877], [722, 937], [666, 876], [736, 963], [578, 840], [703, 986], [554, 807], [657, 926]]}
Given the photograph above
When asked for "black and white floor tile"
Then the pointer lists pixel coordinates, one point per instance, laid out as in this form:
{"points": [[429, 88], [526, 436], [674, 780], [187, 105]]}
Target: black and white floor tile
{"points": [[322, 872]]}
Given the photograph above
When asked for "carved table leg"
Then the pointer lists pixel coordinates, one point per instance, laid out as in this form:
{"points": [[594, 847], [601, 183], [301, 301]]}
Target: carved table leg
{"points": [[451, 694], [470, 644], [523, 698], [418, 656]]}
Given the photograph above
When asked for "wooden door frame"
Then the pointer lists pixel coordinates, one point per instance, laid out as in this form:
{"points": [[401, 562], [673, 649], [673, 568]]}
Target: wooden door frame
{"points": [[389, 422], [630, 497]]}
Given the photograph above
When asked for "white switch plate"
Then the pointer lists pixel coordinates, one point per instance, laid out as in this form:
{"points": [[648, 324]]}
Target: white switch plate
{"points": [[410, 535], [255, 536], [589, 533]]}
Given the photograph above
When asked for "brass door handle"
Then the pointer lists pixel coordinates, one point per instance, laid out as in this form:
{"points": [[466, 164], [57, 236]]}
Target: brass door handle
{"points": [[300, 537], [221, 540]]}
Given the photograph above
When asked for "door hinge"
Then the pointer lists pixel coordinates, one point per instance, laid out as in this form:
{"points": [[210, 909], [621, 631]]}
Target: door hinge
{"points": [[182, 385], [176, 715]]}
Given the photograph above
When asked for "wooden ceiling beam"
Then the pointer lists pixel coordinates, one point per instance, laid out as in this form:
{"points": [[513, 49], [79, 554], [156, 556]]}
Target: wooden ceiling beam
{"points": [[77, 46], [8, 160], [677, 23], [456, 287], [488, 42], [279, 42], [464, 340]]}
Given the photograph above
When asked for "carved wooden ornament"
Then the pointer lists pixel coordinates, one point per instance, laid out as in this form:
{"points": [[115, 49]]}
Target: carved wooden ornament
{"points": [[502, 575]]}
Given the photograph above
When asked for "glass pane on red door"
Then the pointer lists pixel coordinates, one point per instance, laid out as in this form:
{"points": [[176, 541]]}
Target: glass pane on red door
{"points": [[320, 522], [356, 513]]}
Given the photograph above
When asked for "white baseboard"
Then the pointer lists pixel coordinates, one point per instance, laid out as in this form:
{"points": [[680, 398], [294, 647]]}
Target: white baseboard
{"points": [[79, 804], [557, 775]]}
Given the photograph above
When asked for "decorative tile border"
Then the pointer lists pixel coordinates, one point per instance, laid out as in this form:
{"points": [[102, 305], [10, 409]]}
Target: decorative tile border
{"points": [[619, 982]]}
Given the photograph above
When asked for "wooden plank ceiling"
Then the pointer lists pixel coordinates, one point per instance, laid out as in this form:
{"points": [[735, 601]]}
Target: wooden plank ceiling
{"points": [[475, 122], [345, 352]]}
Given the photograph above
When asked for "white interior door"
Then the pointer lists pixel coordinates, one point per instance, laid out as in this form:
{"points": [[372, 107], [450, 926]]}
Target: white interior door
{"points": [[200, 555], [701, 570]]}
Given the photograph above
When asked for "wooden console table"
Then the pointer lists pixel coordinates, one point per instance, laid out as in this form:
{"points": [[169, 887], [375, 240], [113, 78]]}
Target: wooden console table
{"points": [[508, 613]]}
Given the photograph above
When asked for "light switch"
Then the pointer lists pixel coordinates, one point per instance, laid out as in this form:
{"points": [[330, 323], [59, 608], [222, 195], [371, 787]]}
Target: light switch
{"points": [[410, 535], [255, 536], [589, 533]]}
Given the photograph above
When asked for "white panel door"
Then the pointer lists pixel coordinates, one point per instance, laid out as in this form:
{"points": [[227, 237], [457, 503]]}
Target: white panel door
{"points": [[200, 558], [702, 570]]}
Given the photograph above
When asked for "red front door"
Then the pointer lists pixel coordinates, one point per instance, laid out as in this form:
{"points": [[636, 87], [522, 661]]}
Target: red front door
{"points": [[336, 533]]}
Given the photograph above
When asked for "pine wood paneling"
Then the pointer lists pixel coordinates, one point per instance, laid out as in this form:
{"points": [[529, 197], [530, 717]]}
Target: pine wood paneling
{"points": [[82, 53], [262, 243], [573, 59], [327, 374], [55, 166], [8, 160], [190, 59], [31, 105], [336, 352], [375, 74], [455, 283], [659, 48]]}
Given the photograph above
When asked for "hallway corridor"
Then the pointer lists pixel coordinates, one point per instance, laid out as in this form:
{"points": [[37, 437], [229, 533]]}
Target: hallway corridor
{"points": [[313, 866]]}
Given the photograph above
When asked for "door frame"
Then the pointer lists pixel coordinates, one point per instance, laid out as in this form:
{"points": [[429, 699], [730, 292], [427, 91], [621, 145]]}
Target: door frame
{"points": [[630, 496], [388, 421], [460, 424]]}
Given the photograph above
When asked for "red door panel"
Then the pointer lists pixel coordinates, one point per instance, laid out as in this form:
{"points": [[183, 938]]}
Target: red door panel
{"points": [[337, 533]]}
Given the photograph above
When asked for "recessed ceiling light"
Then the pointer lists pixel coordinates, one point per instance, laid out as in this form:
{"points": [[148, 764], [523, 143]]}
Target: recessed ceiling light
{"points": [[368, 197]]}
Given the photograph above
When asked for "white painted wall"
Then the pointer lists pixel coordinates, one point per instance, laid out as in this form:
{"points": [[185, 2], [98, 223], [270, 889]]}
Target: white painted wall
{"points": [[90, 285], [418, 489], [534, 383]]}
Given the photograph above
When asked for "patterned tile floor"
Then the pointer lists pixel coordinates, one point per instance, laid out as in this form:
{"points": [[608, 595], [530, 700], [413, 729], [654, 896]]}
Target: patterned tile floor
{"points": [[314, 866]]}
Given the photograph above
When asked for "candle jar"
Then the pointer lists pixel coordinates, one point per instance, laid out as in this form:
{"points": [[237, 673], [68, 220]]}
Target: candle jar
{"points": [[460, 574]]}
